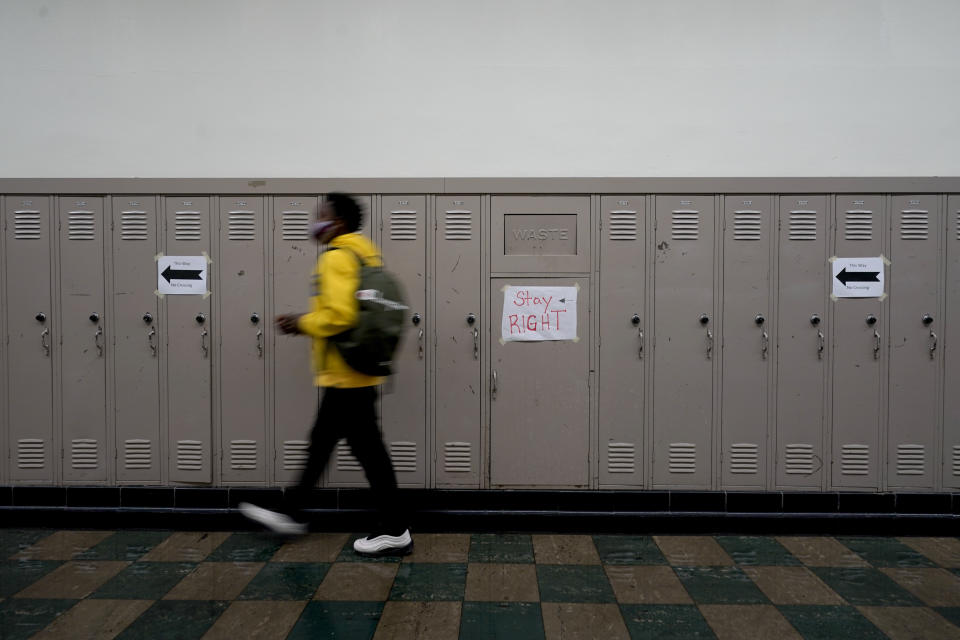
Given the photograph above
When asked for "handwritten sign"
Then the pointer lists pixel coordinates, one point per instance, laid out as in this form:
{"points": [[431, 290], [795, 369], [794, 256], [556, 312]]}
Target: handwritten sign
{"points": [[533, 314]]}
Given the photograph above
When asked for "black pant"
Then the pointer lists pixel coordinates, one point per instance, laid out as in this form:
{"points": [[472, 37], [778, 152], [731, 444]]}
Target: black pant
{"points": [[352, 414]]}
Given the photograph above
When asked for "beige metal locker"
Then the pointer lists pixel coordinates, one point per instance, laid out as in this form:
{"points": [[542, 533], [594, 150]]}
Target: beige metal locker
{"points": [[135, 339], [623, 340], [801, 340], [915, 322], [83, 343], [951, 349], [685, 339], [189, 337], [242, 337], [746, 346], [859, 335], [31, 338], [539, 399], [457, 295], [294, 396]]}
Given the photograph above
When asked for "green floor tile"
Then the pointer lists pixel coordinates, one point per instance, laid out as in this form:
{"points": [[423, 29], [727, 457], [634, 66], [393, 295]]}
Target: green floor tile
{"points": [[17, 575], [864, 586], [886, 552], [666, 621], [756, 550], [950, 613], [501, 621], [286, 581], [505, 548], [573, 583], [429, 581], [628, 550], [13, 541], [145, 580], [830, 622], [247, 547], [22, 618], [125, 545], [335, 620], [347, 554], [180, 619], [720, 585]]}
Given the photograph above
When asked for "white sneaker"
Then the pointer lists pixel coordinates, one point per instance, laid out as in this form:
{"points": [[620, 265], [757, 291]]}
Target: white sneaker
{"points": [[384, 545], [276, 522]]}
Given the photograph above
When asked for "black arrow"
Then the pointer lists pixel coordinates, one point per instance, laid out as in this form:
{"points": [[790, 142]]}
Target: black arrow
{"points": [[857, 276], [181, 274]]}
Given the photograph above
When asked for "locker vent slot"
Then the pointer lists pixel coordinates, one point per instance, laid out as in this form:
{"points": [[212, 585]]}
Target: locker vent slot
{"points": [[403, 225], [295, 225], [457, 225], [26, 225], [683, 457], [744, 458], [858, 225], [914, 224], [799, 459], [137, 453], [855, 460], [746, 225], [295, 454], [456, 457], [404, 456], [623, 224], [133, 225], [686, 225], [803, 225], [956, 459], [910, 459], [621, 457], [187, 225], [83, 453], [80, 225], [189, 455], [345, 459], [31, 453], [243, 454], [242, 225]]}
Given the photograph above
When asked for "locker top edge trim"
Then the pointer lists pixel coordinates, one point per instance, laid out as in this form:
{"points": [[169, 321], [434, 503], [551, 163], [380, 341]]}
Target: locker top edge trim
{"points": [[530, 186]]}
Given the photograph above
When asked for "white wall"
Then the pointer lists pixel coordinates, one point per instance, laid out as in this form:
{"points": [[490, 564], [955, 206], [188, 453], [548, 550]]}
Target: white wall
{"points": [[388, 88]]}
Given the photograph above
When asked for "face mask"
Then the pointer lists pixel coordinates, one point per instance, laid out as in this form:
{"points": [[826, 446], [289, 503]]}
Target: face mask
{"points": [[319, 228]]}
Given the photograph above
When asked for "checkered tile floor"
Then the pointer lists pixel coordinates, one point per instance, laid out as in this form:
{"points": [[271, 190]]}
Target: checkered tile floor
{"points": [[162, 584]]}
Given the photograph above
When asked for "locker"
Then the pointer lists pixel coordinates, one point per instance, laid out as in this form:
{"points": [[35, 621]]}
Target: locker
{"points": [[31, 338], [540, 234], [83, 343], [801, 336], [623, 340], [243, 326], [915, 322], [295, 396], [189, 338], [684, 345], [539, 399], [858, 337], [746, 341], [135, 339], [951, 349], [457, 301]]}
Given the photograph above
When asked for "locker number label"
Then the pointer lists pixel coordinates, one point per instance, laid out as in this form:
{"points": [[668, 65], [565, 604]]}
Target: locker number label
{"points": [[182, 275], [858, 277], [536, 314]]}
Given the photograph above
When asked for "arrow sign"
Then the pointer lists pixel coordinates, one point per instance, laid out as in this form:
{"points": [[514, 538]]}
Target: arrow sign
{"points": [[181, 274], [857, 276]]}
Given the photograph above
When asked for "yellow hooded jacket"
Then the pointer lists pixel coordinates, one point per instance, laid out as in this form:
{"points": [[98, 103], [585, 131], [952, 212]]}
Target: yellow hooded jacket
{"points": [[334, 308]]}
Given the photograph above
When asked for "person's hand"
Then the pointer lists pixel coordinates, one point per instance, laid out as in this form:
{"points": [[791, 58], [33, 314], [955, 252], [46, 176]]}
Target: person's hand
{"points": [[287, 323]]}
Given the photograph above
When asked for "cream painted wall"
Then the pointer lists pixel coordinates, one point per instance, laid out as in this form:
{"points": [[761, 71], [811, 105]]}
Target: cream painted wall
{"points": [[310, 88]]}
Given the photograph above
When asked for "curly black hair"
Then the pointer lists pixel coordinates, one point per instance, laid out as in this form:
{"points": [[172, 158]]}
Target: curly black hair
{"points": [[347, 209]]}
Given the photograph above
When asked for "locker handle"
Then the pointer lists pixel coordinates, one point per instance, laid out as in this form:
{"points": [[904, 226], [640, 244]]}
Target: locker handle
{"points": [[493, 389], [709, 344], [765, 342], [876, 345], [44, 343], [820, 345], [933, 344], [153, 347], [96, 341], [641, 344], [476, 344], [203, 343], [420, 345], [260, 343]]}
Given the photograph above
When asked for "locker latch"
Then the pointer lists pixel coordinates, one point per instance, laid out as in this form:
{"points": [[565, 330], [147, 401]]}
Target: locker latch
{"points": [[927, 321]]}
